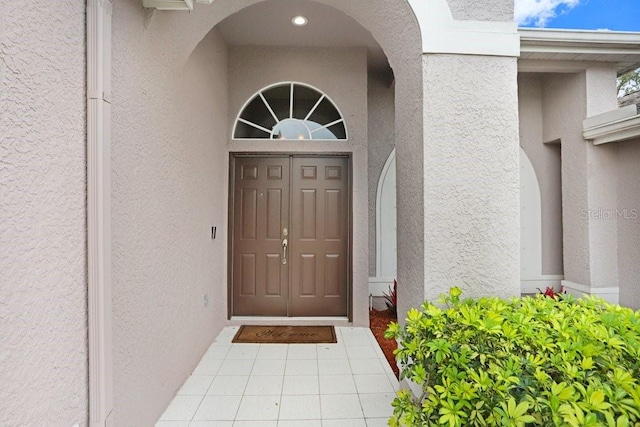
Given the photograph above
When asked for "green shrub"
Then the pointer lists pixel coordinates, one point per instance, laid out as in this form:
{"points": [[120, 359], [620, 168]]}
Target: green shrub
{"points": [[530, 361]]}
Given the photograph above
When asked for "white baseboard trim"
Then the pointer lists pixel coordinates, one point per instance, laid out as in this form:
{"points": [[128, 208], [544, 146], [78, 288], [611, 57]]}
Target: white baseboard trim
{"points": [[610, 294], [378, 286], [531, 285]]}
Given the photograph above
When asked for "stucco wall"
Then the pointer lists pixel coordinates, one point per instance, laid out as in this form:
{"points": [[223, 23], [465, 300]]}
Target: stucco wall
{"points": [[564, 108], [382, 18], [545, 158], [629, 224], [169, 176], [602, 180], [589, 176], [381, 142], [149, 53], [482, 10], [43, 318], [471, 173], [341, 73]]}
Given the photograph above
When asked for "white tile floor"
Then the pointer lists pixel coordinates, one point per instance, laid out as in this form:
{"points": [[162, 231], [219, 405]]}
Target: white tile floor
{"points": [[348, 384]]}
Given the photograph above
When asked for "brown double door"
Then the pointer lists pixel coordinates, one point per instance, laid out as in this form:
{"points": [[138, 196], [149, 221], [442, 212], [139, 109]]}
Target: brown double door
{"points": [[290, 236]]}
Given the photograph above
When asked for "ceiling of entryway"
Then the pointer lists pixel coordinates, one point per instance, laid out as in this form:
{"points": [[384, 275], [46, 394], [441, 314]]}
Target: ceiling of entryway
{"points": [[268, 23]]}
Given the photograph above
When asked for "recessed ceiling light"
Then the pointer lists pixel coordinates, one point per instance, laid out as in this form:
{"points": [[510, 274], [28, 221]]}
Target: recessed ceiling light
{"points": [[299, 21]]}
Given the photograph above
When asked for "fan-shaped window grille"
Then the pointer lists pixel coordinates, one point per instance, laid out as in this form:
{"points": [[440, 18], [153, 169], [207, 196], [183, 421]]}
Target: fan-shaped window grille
{"points": [[290, 111]]}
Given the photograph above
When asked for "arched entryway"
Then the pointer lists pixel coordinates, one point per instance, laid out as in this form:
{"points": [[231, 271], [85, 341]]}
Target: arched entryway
{"points": [[173, 111], [340, 51]]}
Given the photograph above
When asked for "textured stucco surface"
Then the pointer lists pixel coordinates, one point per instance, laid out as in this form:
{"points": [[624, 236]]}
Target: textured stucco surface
{"points": [[482, 10], [602, 181], [340, 73], [471, 169], [629, 227], [394, 26], [381, 143], [169, 176], [546, 162], [43, 318], [564, 108], [589, 176], [159, 276]]}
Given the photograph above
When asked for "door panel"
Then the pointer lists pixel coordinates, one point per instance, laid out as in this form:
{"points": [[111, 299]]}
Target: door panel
{"points": [[261, 210], [319, 236], [309, 196]]}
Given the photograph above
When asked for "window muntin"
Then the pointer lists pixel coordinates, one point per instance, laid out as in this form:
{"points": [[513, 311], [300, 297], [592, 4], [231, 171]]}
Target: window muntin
{"points": [[290, 111]]}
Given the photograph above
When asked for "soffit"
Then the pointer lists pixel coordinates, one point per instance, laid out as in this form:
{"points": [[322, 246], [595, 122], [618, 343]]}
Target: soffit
{"points": [[269, 24], [620, 48]]}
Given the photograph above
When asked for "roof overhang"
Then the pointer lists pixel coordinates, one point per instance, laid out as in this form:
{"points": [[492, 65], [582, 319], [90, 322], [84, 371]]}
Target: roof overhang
{"points": [[620, 48], [614, 126], [172, 4]]}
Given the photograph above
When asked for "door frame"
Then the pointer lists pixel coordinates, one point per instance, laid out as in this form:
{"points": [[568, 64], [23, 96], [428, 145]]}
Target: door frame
{"points": [[230, 218]]}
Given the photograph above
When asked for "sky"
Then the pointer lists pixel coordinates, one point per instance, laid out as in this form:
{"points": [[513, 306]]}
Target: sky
{"points": [[613, 15]]}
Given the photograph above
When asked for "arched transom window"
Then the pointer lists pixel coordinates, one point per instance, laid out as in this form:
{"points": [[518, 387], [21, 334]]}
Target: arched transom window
{"points": [[290, 111]]}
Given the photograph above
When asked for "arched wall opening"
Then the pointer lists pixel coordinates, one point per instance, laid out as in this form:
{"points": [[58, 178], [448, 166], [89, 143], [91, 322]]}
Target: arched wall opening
{"points": [[403, 51], [171, 113]]}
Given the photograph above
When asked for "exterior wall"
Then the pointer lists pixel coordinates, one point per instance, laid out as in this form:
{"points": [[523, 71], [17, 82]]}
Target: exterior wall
{"points": [[482, 10], [169, 131], [546, 162], [341, 73], [589, 179], [602, 181], [43, 316], [169, 180], [150, 51], [381, 142], [471, 172], [563, 106], [629, 228], [588, 174], [382, 18]]}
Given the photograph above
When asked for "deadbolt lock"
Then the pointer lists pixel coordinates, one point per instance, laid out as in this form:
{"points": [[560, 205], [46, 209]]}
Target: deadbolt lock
{"points": [[285, 232]]}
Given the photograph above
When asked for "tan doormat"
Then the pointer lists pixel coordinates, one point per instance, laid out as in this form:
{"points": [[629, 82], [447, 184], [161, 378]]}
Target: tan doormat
{"points": [[286, 335]]}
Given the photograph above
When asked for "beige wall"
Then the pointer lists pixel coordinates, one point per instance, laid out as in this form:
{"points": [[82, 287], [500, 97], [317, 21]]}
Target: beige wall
{"points": [[169, 180], [156, 137], [382, 18], [564, 108], [602, 179], [589, 176], [545, 157], [43, 283], [341, 73], [629, 223], [471, 175], [603, 251], [381, 142]]}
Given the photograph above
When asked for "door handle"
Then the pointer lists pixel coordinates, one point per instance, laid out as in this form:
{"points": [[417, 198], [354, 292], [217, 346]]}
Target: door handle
{"points": [[285, 244]]}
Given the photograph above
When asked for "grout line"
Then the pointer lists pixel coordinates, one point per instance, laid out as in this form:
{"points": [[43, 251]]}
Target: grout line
{"points": [[340, 337], [196, 411]]}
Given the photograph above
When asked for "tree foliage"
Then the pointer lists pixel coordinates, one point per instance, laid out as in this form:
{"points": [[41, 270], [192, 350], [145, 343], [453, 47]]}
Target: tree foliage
{"points": [[629, 83], [524, 362]]}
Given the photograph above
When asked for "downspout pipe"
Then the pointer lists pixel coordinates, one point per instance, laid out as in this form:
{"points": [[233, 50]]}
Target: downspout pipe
{"points": [[99, 307]]}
